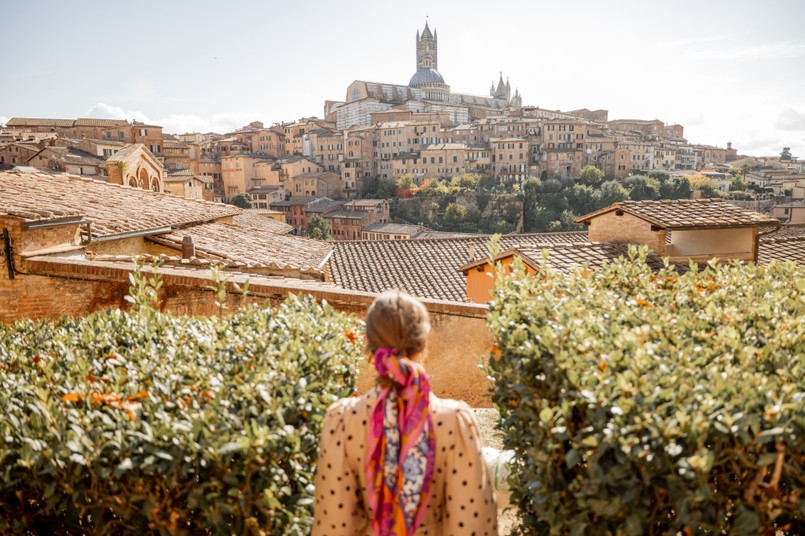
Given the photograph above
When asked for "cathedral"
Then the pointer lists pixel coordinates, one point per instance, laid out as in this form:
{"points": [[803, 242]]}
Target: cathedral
{"points": [[426, 92]]}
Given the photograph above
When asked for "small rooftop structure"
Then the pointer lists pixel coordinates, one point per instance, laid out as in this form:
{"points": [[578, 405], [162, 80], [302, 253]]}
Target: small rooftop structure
{"points": [[700, 229]]}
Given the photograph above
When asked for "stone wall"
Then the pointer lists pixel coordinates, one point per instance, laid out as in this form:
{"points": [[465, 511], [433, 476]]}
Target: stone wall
{"points": [[626, 228]]}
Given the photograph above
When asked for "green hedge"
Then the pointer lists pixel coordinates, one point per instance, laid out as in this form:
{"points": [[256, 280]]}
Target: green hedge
{"points": [[146, 422], [642, 402]]}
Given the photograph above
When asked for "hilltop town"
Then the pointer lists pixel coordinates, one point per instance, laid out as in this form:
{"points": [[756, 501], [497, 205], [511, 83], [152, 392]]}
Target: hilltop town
{"points": [[416, 173], [382, 135], [167, 270]]}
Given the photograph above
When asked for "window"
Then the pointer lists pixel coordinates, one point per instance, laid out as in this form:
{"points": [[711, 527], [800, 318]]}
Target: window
{"points": [[143, 132]]}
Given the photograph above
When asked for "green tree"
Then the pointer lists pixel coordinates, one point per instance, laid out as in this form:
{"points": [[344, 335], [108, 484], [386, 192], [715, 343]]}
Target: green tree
{"points": [[386, 190], [662, 176], [583, 199], [681, 188], [405, 186], [318, 228], [531, 189], [709, 191], [591, 176], [738, 184], [242, 200], [786, 154], [454, 215], [613, 192], [486, 182], [642, 188]]}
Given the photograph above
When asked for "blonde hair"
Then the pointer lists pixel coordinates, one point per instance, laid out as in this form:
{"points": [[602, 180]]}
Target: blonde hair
{"points": [[397, 320]]}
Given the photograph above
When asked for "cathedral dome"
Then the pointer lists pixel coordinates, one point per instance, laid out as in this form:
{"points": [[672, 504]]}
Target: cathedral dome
{"points": [[426, 76]]}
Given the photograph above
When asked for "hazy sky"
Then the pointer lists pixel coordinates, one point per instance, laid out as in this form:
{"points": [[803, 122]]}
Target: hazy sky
{"points": [[726, 70]]}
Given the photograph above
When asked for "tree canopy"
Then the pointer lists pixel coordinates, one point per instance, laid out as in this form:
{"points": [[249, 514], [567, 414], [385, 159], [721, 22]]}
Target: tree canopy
{"points": [[318, 228], [241, 200]]}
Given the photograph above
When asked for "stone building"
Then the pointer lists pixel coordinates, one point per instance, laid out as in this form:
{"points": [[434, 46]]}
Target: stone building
{"points": [[426, 91], [69, 160], [137, 167], [17, 153]]}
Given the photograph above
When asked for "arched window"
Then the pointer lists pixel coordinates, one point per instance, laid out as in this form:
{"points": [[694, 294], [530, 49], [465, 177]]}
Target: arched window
{"points": [[142, 178]]}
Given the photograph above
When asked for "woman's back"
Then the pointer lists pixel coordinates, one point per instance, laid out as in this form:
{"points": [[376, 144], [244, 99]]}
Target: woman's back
{"points": [[461, 494]]}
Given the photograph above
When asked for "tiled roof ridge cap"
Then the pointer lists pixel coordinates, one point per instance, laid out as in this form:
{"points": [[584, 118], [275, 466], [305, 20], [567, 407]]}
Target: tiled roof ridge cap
{"points": [[575, 245], [669, 201], [458, 238]]}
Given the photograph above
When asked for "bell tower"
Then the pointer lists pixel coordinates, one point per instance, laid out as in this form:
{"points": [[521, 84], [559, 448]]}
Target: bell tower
{"points": [[427, 49]]}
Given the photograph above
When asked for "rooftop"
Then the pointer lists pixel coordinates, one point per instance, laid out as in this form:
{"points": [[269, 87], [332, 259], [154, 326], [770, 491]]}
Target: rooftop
{"points": [[254, 220], [393, 228], [427, 268], [791, 248], [113, 209], [687, 214], [251, 247], [565, 258]]}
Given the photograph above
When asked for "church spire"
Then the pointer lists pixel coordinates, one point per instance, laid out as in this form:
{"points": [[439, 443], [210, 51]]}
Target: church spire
{"points": [[427, 49]]}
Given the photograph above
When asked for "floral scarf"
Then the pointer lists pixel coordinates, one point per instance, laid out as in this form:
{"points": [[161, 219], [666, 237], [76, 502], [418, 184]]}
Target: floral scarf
{"points": [[401, 446]]}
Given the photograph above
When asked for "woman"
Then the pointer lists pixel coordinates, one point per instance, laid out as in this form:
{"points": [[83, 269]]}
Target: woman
{"points": [[399, 460]]}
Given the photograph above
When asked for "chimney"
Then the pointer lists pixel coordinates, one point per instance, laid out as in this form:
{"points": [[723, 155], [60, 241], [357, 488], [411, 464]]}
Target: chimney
{"points": [[188, 248], [471, 252]]}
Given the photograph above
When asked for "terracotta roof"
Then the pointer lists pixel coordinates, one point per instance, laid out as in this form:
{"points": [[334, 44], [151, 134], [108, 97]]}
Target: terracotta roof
{"points": [[255, 221], [348, 214], [113, 209], [126, 151], [393, 228], [687, 214], [426, 268], [70, 155], [782, 249], [785, 231], [568, 257], [322, 204], [93, 122], [37, 122], [430, 233], [366, 202], [251, 247], [180, 174]]}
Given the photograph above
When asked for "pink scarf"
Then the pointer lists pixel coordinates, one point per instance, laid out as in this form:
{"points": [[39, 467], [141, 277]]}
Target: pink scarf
{"points": [[401, 446]]}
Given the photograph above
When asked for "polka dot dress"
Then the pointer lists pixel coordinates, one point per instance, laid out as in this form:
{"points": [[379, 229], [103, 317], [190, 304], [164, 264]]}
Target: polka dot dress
{"points": [[462, 498]]}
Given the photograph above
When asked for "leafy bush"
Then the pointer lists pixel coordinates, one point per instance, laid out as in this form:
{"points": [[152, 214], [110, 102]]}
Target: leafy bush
{"points": [[135, 422], [642, 402]]}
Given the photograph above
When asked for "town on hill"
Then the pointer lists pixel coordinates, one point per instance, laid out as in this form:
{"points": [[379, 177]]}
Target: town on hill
{"points": [[634, 299]]}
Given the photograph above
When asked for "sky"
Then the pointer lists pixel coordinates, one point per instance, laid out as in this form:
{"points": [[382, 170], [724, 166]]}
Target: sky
{"points": [[725, 70]]}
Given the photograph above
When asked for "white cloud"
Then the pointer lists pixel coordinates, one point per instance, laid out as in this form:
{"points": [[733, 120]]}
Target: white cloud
{"points": [[790, 119], [105, 111], [177, 123], [3, 119]]}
